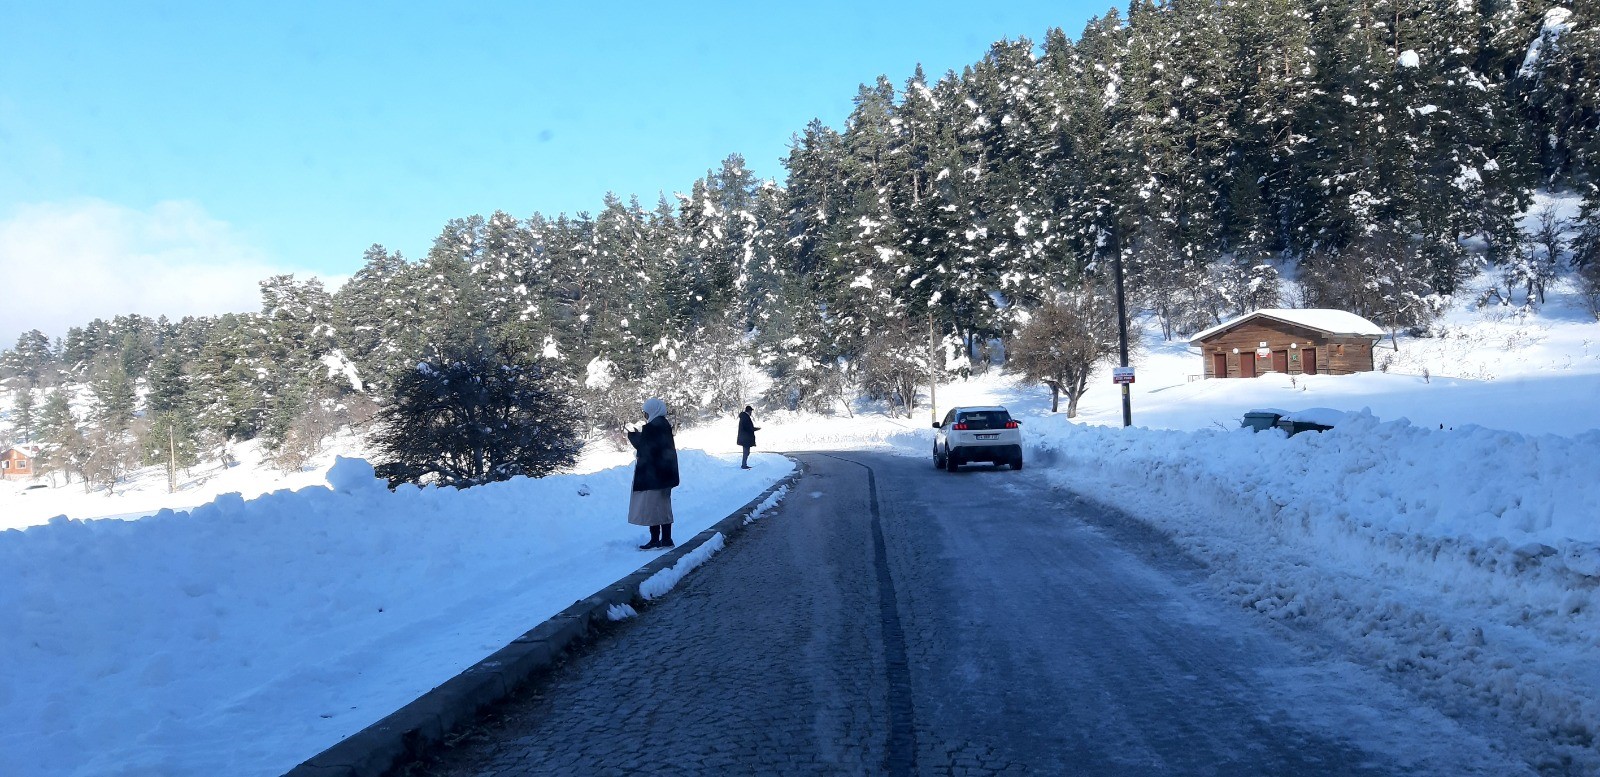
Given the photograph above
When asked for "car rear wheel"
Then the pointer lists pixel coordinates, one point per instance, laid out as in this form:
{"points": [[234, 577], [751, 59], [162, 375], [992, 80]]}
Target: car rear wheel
{"points": [[950, 464], [938, 461], [1016, 463]]}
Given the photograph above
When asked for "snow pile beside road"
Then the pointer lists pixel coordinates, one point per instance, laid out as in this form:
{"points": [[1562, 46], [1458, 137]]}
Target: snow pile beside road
{"points": [[660, 583], [244, 636], [1465, 559]]}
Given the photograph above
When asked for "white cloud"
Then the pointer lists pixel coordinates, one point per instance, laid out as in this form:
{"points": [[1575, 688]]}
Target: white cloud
{"points": [[64, 264]]}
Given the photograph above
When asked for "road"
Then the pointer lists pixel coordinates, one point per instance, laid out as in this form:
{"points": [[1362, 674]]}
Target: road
{"points": [[891, 618]]}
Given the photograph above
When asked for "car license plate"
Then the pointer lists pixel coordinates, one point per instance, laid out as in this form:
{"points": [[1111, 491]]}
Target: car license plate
{"points": [[987, 436]]}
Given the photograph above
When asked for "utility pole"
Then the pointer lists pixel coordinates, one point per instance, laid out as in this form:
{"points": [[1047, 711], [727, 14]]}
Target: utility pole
{"points": [[1122, 323], [172, 458], [933, 370]]}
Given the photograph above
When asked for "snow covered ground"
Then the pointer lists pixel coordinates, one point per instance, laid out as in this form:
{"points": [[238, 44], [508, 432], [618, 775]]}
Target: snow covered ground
{"points": [[144, 492], [245, 636], [1448, 529]]}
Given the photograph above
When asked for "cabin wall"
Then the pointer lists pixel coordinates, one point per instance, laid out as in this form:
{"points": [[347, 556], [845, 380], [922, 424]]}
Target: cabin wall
{"points": [[1287, 345]]}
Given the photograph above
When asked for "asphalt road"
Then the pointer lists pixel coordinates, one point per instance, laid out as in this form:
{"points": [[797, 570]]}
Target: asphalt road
{"points": [[891, 618]]}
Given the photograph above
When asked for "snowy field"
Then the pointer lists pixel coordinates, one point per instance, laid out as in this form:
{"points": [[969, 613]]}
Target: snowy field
{"points": [[1448, 530], [245, 636]]}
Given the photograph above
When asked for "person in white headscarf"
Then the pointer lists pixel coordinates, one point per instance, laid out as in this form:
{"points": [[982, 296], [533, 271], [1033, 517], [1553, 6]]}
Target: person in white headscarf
{"points": [[655, 474]]}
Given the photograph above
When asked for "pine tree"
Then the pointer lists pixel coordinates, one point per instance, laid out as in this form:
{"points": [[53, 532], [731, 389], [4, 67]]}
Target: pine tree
{"points": [[509, 267], [1586, 256], [370, 312], [170, 438], [225, 385], [625, 313], [1557, 79], [573, 293], [114, 397], [1273, 84], [23, 420], [451, 303], [58, 430], [32, 360], [470, 416], [132, 340]]}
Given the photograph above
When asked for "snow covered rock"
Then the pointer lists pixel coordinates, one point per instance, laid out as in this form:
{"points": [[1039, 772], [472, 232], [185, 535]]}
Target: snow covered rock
{"points": [[354, 476]]}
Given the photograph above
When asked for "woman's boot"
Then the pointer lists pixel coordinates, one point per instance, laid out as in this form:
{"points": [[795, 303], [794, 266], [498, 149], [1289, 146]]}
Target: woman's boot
{"points": [[655, 539]]}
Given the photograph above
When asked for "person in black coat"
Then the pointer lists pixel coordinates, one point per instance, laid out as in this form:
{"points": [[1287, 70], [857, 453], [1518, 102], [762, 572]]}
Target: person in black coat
{"points": [[747, 436], [655, 474]]}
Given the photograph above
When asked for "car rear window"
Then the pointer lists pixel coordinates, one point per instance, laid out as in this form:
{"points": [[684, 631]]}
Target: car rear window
{"points": [[985, 419]]}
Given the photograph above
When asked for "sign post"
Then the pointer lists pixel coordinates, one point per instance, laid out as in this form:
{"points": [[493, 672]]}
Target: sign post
{"points": [[933, 372], [1122, 376], [1122, 330]]}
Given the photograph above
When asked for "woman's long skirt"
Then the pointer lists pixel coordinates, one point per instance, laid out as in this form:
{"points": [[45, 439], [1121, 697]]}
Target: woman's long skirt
{"points": [[650, 508]]}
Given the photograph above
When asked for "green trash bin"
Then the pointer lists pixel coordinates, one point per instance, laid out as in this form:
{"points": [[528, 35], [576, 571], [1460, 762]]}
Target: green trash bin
{"points": [[1261, 420]]}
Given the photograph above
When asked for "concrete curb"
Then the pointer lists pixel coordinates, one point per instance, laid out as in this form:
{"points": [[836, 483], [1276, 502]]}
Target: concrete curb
{"points": [[409, 732]]}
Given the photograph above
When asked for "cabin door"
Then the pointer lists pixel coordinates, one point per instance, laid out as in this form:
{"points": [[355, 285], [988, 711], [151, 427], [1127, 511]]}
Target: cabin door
{"points": [[1280, 362], [1219, 365], [1308, 361], [1247, 365]]}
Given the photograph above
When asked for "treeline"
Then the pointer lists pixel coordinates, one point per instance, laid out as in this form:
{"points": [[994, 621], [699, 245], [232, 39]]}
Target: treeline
{"points": [[1380, 152]]}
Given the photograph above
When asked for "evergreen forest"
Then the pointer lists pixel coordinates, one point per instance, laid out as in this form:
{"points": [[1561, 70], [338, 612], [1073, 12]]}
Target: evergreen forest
{"points": [[1378, 153]]}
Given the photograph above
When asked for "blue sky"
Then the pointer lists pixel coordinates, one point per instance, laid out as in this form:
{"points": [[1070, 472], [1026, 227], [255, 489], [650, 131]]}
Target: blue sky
{"points": [[212, 144]]}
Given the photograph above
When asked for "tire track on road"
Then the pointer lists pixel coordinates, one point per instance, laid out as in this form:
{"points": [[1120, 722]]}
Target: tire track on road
{"points": [[901, 757]]}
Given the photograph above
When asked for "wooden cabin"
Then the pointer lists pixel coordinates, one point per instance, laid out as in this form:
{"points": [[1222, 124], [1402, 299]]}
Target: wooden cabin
{"points": [[1309, 341], [17, 463]]}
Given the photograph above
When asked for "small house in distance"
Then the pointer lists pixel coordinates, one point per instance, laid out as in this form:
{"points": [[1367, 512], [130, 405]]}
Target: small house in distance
{"points": [[17, 463], [1296, 342]]}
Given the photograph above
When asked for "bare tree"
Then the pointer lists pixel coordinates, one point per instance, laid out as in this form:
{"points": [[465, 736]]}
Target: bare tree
{"points": [[1549, 234], [894, 365], [303, 439], [107, 458], [1382, 276], [1063, 344]]}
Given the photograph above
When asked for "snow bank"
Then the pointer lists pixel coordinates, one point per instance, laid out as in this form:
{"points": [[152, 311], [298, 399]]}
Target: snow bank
{"points": [[658, 584], [244, 636], [1465, 560], [766, 505]]}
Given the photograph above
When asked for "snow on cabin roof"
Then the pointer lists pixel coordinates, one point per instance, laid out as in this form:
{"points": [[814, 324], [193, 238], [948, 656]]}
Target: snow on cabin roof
{"points": [[1336, 322]]}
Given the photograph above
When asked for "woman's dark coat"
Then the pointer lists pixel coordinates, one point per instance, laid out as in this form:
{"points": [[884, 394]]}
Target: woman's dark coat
{"points": [[656, 463], [747, 431]]}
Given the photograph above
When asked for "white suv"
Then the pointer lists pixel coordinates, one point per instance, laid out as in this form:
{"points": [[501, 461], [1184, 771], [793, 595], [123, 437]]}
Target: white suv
{"points": [[969, 434]]}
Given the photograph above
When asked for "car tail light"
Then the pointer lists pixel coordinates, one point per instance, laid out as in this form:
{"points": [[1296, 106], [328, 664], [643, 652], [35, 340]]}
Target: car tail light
{"points": [[1011, 424], [959, 427]]}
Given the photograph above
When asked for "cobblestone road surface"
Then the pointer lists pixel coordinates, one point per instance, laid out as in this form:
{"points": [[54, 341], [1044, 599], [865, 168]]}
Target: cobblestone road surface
{"points": [[982, 622]]}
